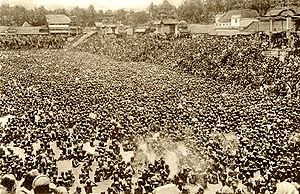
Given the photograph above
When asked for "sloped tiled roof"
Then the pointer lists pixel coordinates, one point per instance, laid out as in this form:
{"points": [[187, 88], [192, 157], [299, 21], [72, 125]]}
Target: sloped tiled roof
{"points": [[58, 19], [258, 26], [25, 24], [110, 25], [157, 22], [182, 24], [245, 23], [253, 27], [280, 11], [245, 13], [264, 26]]}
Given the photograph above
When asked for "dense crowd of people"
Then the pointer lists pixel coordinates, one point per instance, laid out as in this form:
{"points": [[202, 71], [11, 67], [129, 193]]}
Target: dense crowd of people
{"points": [[14, 42], [232, 60], [62, 101]]}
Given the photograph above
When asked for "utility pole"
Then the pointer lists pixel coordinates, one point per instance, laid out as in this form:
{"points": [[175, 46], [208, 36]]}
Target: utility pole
{"points": [[288, 22], [270, 25], [151, 10]]}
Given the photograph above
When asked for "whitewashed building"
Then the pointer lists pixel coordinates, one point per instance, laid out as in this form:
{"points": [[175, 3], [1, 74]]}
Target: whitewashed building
{"points": [[235, 21], [58, 24]]}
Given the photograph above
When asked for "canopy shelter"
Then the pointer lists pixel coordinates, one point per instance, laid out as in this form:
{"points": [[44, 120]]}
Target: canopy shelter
{"points": [[280, 20]]}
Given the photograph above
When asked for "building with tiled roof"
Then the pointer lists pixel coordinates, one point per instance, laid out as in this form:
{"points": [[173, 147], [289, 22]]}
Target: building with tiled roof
{"points": [[243, 14], [30, 30], [58, 24], [165, 26], [279, 20], [235, 22]]}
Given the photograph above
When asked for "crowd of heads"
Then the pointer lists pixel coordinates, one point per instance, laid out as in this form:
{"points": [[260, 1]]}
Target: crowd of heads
{"points": [[18, 42], [33, 182], [62, 101], [235, 60]]}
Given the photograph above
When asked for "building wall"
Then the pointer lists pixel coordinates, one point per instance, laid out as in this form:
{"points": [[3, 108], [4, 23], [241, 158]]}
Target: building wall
{"points": [[59, 28], [109, 30], [200, 29], [165, 29], [222, 25], [235, 20], [277, 25], [129, 31], [253, 27], [172, 28]]}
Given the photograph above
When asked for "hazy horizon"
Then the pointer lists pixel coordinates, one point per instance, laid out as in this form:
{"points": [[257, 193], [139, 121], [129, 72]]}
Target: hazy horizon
{"points": [[98, 4]]}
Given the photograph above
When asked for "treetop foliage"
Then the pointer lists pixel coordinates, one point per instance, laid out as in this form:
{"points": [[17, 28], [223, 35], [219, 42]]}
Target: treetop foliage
{"points": [[192, 11]]}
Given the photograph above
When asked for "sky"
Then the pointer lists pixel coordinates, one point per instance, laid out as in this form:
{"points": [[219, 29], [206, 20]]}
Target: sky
{"points": [[98, 4]]}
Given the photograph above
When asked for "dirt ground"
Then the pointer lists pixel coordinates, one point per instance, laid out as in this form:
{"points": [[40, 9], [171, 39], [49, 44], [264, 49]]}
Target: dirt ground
{"points": [[172, 158], [176, 154]]}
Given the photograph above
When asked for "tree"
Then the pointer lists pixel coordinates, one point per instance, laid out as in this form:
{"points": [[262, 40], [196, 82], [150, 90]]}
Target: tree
{"points": [[38, 16], [19, 15], [164, 10], [261, 6], [191, 11], [90, 16], [166, 6], [121, 16], [61, 11], [5, 17], [99, 15], [215, 6], [140, 17], [109, 17], [79, 14], [198, 11]]}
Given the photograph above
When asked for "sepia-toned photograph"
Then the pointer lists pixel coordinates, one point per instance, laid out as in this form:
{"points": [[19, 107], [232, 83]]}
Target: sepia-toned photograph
{"points": [[149, 96]]}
